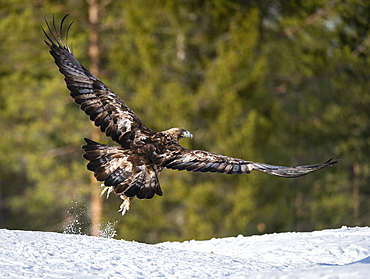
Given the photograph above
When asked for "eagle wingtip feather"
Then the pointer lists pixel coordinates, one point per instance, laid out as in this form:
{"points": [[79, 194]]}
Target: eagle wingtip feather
{"points": [[331, 162]]}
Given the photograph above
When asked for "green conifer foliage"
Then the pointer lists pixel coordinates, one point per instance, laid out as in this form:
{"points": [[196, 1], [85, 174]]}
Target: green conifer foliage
{"points": [[281, 82]]}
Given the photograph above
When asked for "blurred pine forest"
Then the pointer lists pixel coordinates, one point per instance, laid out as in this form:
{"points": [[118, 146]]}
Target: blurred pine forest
{"points": [[284, 82]]}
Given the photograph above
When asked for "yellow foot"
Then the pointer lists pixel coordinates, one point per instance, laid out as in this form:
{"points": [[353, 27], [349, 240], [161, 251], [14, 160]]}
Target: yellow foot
{"points": [[106, 188], [125, 206]]}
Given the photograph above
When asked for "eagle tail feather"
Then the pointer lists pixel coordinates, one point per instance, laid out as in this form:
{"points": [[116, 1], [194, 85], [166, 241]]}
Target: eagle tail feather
{"points": [[113, 165]]}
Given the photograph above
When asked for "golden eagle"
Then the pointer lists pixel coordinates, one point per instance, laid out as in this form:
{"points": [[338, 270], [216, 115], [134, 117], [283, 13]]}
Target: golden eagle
{"points": [[132, 168]]}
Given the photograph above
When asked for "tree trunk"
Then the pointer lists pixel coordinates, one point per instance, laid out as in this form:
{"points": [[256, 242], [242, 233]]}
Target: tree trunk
{"points": [[356, 194], [94, 55]]}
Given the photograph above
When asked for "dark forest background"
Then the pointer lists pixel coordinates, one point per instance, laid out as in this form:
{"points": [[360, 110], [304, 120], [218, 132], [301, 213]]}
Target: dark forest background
{"points": [[284, 82]]}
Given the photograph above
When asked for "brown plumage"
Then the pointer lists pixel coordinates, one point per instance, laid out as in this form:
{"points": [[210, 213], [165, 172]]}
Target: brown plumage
{"points": [[132, 169]]}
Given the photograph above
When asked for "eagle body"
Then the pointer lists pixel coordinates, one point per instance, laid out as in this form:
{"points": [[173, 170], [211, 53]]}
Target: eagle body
{"points": [[131, 169]]}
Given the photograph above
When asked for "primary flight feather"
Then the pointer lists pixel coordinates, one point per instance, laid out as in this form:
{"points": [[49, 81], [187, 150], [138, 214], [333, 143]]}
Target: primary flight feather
{"points": [[132, 168]]}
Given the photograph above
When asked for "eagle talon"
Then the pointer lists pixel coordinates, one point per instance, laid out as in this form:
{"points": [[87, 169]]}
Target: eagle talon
{"points": [[125, 206], [106, 188]]}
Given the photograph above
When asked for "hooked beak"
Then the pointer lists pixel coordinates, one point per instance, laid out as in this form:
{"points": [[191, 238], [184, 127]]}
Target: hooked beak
{"points": [[187, 134]]}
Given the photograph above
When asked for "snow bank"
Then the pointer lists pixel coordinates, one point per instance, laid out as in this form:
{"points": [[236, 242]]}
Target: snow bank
{"points": [[339, 253]]}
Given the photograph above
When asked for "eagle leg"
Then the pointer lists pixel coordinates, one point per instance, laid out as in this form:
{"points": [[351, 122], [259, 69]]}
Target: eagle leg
{"points": [[125, 206], [106, 188]]}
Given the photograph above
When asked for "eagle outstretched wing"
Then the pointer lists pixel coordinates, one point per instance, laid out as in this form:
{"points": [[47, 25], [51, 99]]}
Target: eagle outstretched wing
{"points": [[203, 161], [103, 106]]}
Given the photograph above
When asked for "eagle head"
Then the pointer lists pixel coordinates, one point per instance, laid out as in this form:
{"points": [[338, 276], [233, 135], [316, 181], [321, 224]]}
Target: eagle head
{"points": [[178, 133]]}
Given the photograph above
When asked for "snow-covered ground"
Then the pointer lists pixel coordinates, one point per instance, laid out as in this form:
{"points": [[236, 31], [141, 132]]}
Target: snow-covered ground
{"points": [[338, 253]]}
